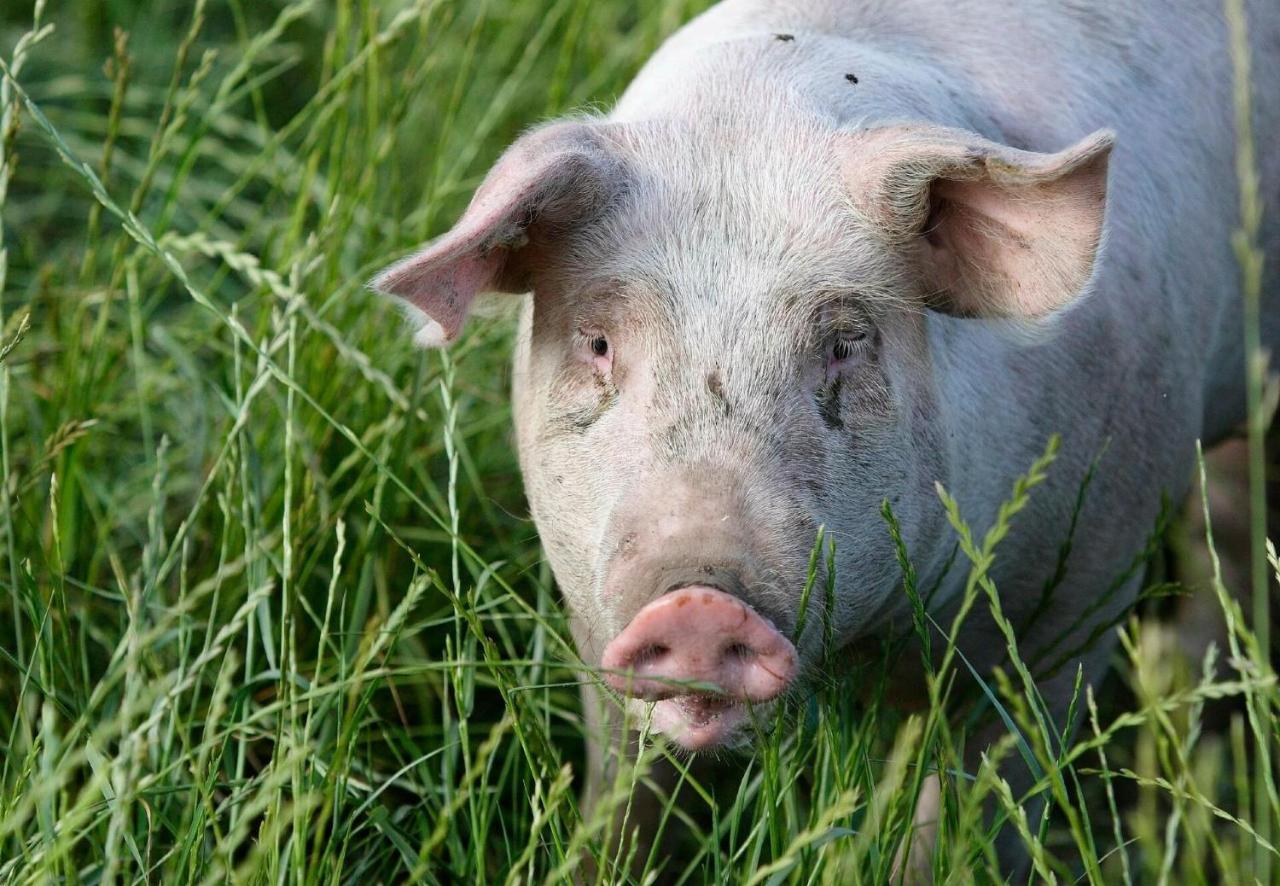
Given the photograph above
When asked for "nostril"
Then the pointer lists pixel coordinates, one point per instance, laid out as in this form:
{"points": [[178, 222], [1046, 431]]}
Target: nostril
{"points": [[648, 654]]}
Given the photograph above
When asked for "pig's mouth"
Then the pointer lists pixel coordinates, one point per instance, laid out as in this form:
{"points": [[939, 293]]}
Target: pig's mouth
{"points": [[701, 721]]}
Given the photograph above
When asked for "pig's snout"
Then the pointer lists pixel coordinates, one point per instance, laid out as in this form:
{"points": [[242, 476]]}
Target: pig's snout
{"points": [[700, 653], [700, 635]]}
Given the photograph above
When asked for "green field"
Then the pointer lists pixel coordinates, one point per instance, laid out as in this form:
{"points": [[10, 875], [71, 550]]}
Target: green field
{"points": [[273, 608]]}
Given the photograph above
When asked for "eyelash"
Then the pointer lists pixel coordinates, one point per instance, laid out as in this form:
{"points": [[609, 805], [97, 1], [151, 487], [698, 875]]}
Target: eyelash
{"points": [[847, 345]]}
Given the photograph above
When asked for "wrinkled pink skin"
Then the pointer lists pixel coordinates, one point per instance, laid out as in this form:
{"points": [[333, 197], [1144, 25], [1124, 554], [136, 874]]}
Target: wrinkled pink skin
{"points": [[817, 293]]}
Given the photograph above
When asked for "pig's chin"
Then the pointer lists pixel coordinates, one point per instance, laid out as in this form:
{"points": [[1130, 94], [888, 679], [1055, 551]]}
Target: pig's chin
{"points": [[705, 722]]}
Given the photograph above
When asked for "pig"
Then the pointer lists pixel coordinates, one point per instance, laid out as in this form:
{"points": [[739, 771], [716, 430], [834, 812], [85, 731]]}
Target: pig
{"points": [[827, 254]]}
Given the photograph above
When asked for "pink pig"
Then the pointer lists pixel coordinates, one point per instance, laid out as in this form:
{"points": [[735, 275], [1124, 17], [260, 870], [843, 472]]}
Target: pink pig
{"points": [[828, 254]]}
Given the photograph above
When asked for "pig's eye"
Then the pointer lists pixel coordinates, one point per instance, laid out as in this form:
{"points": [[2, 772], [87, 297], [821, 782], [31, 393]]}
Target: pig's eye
{"points": [[847, 346], [594, 349]]}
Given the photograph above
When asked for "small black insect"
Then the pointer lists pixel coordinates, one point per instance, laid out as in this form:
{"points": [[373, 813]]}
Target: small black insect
{"points": [[785, 38], [852, 78]]}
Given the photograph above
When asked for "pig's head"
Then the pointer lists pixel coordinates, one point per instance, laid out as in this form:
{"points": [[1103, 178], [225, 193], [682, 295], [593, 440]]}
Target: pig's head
{"points": [[727, 346]]}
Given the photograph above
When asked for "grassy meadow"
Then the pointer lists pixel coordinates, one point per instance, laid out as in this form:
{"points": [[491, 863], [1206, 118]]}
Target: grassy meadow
{"points": [[272, 606]]}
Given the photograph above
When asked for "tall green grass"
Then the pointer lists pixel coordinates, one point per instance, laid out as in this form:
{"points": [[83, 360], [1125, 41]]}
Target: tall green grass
{"points": [[272, 608]]}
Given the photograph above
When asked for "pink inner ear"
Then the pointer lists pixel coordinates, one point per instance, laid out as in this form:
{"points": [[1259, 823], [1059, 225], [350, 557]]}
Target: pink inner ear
{"points": [[1007, 233], [1022, 245], [443, 286], [442, 280], [555, 171], [985, 252]]}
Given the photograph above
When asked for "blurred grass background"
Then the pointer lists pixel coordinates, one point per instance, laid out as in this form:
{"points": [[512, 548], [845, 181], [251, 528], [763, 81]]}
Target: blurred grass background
{"points": [[273, 607]]}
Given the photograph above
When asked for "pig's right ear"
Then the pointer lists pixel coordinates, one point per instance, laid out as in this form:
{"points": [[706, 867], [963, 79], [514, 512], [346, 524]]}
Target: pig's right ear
{"points": [[994, 231], [552, 178]]}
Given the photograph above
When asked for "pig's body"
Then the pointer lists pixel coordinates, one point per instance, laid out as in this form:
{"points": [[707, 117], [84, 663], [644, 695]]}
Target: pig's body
{"points": [[828, 254]]}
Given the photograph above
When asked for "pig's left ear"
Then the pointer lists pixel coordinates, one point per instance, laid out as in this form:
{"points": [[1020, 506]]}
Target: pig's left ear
{"points": [[549, 181], [995, 231]]}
